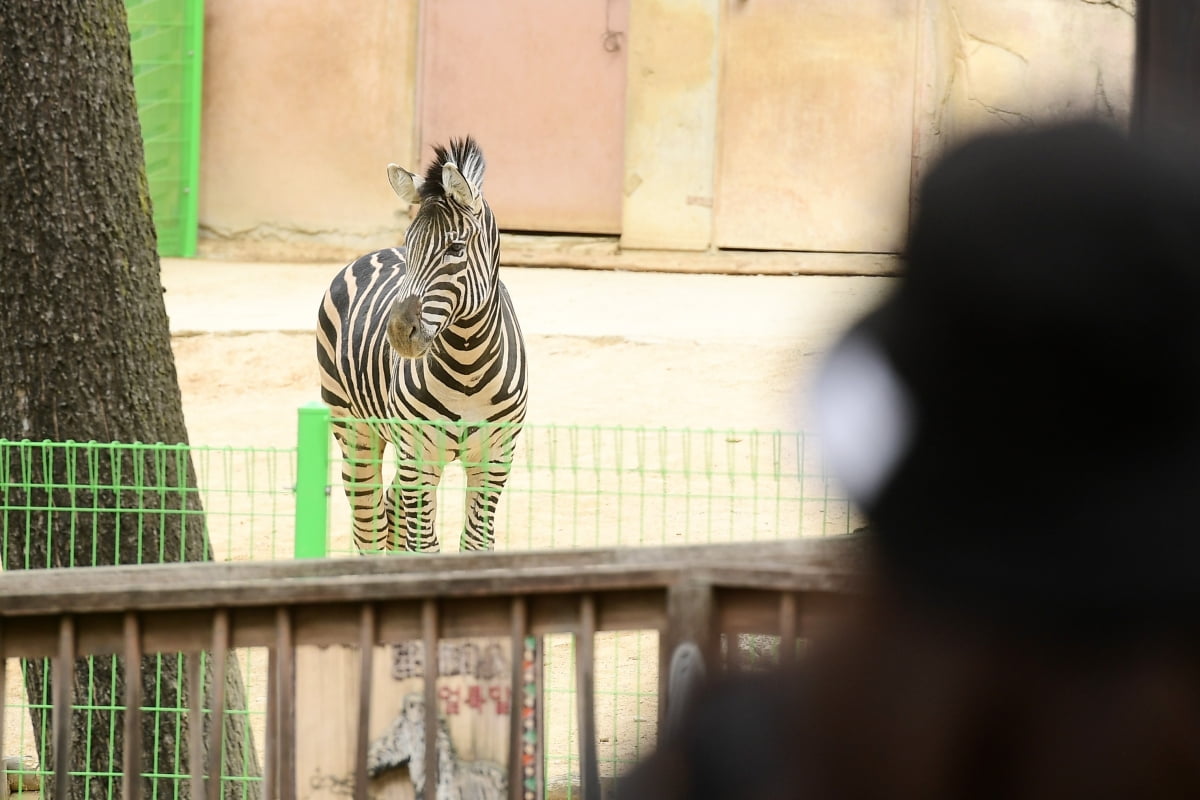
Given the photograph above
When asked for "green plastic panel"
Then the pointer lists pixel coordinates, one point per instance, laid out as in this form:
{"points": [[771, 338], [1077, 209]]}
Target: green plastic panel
{"points": [[167, 42]]}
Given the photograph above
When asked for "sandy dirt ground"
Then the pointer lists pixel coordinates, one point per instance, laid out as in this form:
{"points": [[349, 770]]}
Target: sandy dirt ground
{"points": [[605, 349]]}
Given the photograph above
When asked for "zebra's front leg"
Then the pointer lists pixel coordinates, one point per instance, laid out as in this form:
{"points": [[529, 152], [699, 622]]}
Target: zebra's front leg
{"points": [[412, 506], [362, 453]]}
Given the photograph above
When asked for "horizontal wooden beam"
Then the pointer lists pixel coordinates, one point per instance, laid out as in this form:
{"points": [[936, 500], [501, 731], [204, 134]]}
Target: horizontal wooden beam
{"points": [[800, 565], [176, 605]]}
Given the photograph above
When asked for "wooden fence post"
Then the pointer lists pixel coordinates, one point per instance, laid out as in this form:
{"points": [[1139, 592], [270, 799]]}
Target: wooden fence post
{"points": [[687, 651], [1166, 98]]}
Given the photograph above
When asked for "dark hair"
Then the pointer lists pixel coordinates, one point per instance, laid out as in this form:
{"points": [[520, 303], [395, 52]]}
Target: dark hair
{"points": [[1046, 335], [1034, 631]]}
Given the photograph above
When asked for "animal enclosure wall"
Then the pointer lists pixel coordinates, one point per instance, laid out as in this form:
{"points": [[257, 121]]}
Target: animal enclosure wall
{"points": [[608, 486], [865, 93], [570, 487], [285, 607], [244, 498]]}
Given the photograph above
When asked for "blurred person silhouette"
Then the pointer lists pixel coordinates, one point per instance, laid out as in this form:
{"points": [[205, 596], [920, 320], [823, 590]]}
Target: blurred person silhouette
{"points": [[1020, 422]]}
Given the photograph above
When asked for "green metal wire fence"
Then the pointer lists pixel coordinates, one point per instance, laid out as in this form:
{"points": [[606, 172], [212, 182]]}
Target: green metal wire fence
{"points": [[166, 39], [123, 503], [570, 486], [597, 486], [600, 486]]}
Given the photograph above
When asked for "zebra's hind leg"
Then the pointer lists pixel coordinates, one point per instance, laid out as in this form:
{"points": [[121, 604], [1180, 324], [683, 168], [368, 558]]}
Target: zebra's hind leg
{"points": [[362, 454], [487, 465]]}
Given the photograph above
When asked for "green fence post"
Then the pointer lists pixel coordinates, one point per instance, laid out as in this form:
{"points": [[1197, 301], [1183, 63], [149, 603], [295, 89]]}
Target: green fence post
{"points": [[312, 471], [189, 212]]}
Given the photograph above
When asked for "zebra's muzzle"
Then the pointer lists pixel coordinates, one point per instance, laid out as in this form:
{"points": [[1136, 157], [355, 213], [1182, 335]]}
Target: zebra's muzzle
{"points": [[406, 331]]}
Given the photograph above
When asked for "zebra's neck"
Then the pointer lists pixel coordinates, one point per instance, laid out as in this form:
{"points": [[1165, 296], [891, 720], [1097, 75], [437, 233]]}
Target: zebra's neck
{"points": [[470, 332]]}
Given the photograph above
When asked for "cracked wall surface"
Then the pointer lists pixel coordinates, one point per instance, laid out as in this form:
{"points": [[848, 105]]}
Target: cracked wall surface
{"points": [[988, 64]]}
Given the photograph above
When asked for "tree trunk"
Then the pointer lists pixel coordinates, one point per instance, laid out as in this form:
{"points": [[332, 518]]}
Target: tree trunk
{"points": [[86, 355]]}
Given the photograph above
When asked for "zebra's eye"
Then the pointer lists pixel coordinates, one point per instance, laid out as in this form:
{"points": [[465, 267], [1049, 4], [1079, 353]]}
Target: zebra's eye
{"points": [[456, 249]]}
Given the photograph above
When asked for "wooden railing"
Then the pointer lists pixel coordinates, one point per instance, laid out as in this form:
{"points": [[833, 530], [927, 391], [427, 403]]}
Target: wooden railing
{"points": [[688, 594]]}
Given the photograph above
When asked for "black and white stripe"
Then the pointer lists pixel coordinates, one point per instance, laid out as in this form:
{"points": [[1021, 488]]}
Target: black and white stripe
{"points": [[424, 339]]}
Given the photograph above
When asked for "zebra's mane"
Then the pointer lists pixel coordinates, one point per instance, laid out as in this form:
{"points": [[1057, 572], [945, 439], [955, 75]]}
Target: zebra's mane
{"points": [[464, 154]]}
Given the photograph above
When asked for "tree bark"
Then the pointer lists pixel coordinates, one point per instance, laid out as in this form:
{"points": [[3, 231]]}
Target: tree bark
{"points": [[86, 354]]}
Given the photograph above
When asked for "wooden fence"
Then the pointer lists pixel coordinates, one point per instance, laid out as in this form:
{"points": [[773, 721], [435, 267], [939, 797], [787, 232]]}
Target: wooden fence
{"points": [[687, 594]]}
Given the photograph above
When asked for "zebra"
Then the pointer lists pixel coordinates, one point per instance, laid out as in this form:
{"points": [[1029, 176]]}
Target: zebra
{"points": [[423, 341]]}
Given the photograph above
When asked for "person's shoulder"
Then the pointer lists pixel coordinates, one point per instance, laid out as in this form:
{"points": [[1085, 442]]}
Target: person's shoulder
{"points": [[742, 736]]}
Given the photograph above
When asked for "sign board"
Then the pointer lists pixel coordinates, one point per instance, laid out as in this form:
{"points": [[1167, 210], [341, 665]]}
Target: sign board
{"points": [[475, 701]]}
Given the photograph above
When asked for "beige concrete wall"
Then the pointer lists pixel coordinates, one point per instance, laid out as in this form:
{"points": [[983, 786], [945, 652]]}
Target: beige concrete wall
{"points": [[988, 64], [670, 124], [978, 64], [304, 105], [815, 125]]}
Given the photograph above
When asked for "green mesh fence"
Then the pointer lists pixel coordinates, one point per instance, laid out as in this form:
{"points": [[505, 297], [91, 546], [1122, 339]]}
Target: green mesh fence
{"points": [[603, 486], [123, 503], [594, 486], [569, 486]]}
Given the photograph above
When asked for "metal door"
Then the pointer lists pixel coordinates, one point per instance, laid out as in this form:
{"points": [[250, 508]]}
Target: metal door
{"points": [[540, 84]]}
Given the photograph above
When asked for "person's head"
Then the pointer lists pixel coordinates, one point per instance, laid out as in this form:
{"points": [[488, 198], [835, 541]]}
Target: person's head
{"points": [[1020, 419], [1020, 422]]}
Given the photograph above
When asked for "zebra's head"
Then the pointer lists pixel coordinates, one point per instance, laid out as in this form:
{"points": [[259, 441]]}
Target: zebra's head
{"points": [[453, 248]]}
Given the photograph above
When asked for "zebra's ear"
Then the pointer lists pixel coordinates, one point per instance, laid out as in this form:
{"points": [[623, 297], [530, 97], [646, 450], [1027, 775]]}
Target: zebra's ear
{"points": [[460, 189], [405, 183]]}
